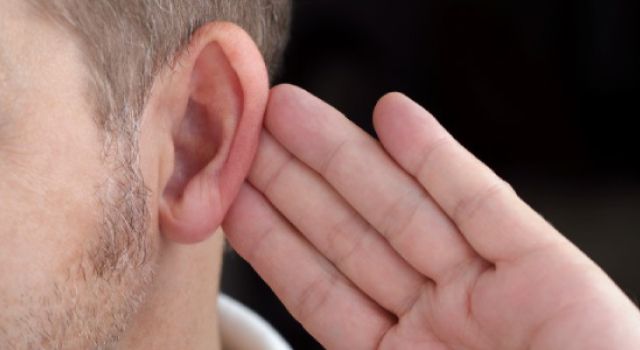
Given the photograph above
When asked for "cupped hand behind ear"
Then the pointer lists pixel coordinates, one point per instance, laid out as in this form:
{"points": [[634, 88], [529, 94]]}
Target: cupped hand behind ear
{"points": [[411, 242]]}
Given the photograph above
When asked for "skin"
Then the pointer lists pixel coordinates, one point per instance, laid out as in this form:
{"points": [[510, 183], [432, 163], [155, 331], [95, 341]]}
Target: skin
{"points": [[49, 262], [95, 256], [407, 243], [411, 242]]}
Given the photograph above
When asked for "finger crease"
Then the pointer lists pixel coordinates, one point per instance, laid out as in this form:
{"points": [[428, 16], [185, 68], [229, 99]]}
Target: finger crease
{"points": [[319, 290], [404, 225], [346, 229], [465, 209], [326, 166], [259, 242], [425, 160], [277, 174]]}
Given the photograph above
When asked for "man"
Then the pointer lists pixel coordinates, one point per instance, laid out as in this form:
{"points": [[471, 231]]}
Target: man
{"points": [[127, 127], [128, 131]]}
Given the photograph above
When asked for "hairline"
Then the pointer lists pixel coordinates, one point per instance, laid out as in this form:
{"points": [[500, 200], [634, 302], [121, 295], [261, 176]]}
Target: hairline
{"points": [[113, 99]]}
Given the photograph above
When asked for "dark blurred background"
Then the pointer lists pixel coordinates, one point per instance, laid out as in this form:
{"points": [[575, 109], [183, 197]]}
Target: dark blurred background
{"points": [[546, 92]]}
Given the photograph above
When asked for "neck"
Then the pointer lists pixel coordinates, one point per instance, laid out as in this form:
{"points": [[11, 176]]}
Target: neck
{"points": [[181, 309]]}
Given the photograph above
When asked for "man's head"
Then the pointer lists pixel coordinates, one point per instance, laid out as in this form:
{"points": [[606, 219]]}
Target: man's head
{"points": [[125, 125]]}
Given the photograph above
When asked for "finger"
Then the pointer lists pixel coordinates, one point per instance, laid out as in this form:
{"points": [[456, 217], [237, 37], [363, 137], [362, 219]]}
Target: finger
{"points": [[315, 293], [335, 229], [370, 181], [486, 210]]}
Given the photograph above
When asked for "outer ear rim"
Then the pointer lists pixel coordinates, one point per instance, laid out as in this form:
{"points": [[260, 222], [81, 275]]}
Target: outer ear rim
{"points": [[218, 183]]}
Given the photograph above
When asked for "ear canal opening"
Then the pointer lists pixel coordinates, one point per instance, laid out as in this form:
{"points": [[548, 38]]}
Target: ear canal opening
{"points": [[197, 141]]}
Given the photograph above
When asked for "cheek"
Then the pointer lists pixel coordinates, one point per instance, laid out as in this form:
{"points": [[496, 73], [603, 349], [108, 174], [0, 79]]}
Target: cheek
{"points": [[49, 208]]}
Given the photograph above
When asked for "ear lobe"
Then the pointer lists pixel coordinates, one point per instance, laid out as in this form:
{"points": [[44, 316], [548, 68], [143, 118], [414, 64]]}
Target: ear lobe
{"points": [[215, 137]]}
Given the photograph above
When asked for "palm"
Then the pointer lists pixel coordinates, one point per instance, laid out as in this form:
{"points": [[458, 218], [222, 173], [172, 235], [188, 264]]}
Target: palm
{"points": [[514, 307], [412, 244]]}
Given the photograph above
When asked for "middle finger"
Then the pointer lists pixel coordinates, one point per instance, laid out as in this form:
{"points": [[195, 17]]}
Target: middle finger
{"points": [[334, 228], [357, 167]]}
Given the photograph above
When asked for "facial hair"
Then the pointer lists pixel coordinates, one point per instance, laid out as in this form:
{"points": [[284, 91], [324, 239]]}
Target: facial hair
{"points": [[91, 305]]}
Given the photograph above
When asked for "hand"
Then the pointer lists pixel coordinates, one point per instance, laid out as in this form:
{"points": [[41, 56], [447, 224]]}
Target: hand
{"points": [[412, 243]]}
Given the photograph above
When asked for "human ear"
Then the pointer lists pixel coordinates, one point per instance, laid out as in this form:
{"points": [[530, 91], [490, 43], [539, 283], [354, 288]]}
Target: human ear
{"points": [[220, 87]]}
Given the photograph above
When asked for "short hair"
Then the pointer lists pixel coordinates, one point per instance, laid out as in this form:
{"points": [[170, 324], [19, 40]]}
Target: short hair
{"points": [[127, 42]]}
